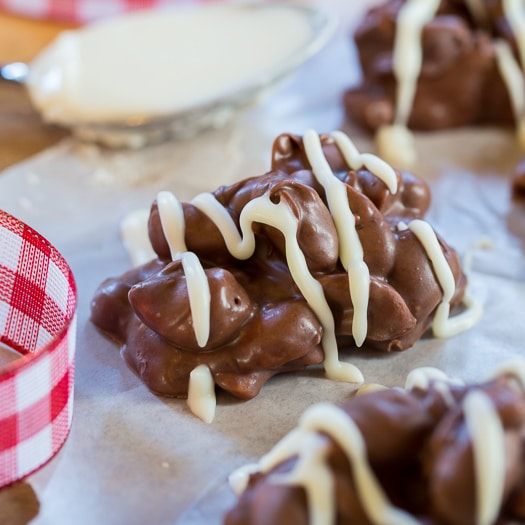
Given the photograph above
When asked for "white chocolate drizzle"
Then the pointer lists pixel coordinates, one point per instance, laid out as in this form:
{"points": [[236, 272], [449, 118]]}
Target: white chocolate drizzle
{"points": [[443, 325], [134, 233], [173, 226], [201, 393], [515, 14], [372, 163], [511, 70], [313, 474], [408, 52], [488, 445], [199, 296], [239, 478], [369, 388], [351, 251], [423, 376], [396, 141], [515, 368], [512, 75], [172, 221]]}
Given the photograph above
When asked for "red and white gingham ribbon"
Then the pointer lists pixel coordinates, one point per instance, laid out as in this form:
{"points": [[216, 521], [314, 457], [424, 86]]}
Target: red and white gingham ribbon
{"points": [[37, 318]]}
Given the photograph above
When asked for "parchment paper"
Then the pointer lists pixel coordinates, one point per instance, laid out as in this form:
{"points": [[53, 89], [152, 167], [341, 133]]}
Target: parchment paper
{"points": [[134, 458]]}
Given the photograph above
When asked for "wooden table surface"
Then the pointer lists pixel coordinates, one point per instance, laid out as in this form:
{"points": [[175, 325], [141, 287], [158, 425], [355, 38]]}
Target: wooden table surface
{"points": [[22, 132]]}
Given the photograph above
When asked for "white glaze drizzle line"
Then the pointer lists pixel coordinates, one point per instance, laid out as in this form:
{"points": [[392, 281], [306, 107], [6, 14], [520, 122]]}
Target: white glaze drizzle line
{"points": [[510, 69], [134, 233], [350, 248], [408, 52], [488, 446], [395, 141], [313, 475], [512, 75], [242, 245], [172, 221], [515, 14], [173, 226], [372, 163], [201, 393], [514, 367], [423, 376], [444, 326], [331, 420], [198, 295]]}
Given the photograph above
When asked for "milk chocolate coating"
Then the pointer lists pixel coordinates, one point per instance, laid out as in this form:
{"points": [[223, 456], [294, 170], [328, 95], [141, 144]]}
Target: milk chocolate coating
{"points": [[419, 448], [518, 182], [261, 325], [459, 83]]}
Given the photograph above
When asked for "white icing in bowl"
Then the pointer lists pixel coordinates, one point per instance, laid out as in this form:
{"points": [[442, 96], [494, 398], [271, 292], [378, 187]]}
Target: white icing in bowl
{"points": [[171, 71]]}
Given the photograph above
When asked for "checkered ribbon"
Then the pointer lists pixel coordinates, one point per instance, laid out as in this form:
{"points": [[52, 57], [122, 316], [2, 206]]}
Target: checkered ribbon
{"points": [[83, 10], [37, 319]]}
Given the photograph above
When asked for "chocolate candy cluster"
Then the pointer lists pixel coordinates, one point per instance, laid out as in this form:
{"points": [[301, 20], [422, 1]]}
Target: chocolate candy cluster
{"points": [[292, 264], [465, 76], [437, 453]]}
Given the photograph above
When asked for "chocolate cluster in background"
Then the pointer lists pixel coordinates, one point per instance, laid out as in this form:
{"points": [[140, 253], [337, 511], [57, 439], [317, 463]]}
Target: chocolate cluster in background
{"points": [[420, 450], [459, 83], [261, 325]]}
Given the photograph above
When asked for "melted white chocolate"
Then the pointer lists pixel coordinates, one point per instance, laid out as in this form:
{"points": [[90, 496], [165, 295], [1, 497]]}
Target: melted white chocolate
{"points": [[172, 221], [396, 142], [201, 393], [443, 325], [199, 296], [514, 367], [239, 479], [134, 233], [422, 378], [356, 160], [185, 58], [488, 445], [515, 14], [408, 52], [369, 388], [510, 69], [512, 75], [313, 474], [350, 250]]}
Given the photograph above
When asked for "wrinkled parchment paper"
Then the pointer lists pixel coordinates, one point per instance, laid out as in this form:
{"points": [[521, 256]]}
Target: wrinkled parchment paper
{"points": [[134, 458]]}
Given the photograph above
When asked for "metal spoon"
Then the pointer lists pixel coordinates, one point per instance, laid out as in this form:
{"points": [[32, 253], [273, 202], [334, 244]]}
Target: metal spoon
{"points": [[14, 72]]}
